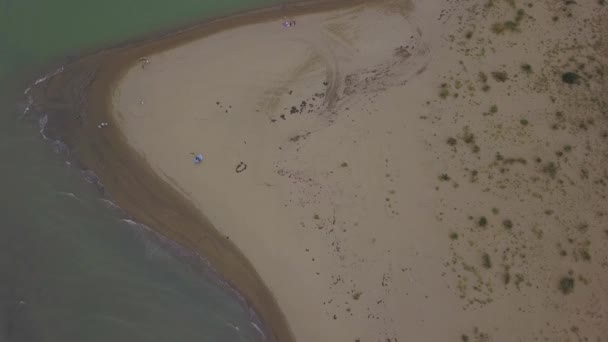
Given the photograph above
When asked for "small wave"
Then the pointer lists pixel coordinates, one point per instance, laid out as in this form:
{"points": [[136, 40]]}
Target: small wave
{"points": [[46, 77], [109, 204], [233, 326], [142, 227], [160, 247], [28, 106], [91, 177], [68, 194], [133, 223], [44, 119], [180, 251], [259, 330], [60, 147]]}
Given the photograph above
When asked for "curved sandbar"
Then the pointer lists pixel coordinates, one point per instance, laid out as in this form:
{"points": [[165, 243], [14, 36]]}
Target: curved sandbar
{"points": [[269, 96], [77, 100], [394, 187]]}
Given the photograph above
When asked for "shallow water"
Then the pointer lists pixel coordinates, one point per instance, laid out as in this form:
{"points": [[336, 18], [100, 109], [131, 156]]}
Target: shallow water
{"points": [[71, 267]]}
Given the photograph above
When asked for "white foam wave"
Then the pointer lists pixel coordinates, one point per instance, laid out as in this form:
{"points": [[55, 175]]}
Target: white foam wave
{"points": [[59, 147], [233, 326], [257, 328], [68, 194], [42, 124], [132, 223], [30, 102], [90, 177], [46, 77], [109, 204]]}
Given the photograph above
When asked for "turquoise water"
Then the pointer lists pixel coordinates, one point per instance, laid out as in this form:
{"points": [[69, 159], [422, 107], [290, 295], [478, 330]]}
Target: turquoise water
{"points": [[71, 268]]}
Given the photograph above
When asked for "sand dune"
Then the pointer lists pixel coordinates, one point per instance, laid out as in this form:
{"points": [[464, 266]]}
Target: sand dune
{"points": [[408, 176]]}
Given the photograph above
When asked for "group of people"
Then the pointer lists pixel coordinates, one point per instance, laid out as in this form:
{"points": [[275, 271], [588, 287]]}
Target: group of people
{"points": [[289, 23]]}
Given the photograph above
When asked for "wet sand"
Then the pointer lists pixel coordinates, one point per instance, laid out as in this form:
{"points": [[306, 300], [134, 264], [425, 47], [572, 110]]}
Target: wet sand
{"points": [[414, 170]]}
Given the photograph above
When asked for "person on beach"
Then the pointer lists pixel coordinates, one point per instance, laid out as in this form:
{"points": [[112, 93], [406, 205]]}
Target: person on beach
{"points": [[288, 23], [198, 158], [144, 61]]}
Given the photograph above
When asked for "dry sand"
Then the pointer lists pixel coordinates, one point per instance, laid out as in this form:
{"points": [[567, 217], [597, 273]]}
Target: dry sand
{"points": [[399, 186]]}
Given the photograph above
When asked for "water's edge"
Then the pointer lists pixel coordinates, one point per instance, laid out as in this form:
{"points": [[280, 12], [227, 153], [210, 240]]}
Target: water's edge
{"points": [[188, 256]]}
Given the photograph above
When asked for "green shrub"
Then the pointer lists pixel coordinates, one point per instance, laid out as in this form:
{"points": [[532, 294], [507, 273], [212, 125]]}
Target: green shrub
{"points": [[570, 77], [486, 261], [527, 68], [566, 285], [500, 76], [443, 91]]}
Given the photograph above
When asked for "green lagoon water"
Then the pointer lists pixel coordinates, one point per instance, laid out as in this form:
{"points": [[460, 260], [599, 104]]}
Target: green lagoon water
{"points": [[71, 269]]}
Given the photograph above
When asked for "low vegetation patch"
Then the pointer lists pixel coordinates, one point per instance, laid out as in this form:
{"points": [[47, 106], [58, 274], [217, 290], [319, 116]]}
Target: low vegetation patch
{"points": [[566, 285], [483, 78], [500, 76], [444, 92], [510, 25], [550, 169], [584, 252], [486, 261], [570, 77], [444, 177], [469, 139]]}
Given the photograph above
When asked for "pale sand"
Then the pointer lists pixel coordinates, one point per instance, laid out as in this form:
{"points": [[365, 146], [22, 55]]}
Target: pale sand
{"points": [[341, 209]]}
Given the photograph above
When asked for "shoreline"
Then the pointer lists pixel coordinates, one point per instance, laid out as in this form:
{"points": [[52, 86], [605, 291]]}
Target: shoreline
{"points": [[84, 86]]}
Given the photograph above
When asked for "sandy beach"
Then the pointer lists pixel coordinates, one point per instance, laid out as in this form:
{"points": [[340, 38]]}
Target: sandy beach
{"points": [[389, 170]]}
